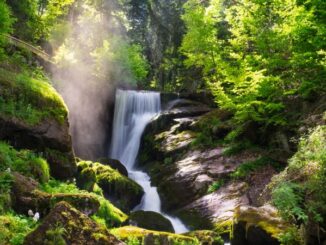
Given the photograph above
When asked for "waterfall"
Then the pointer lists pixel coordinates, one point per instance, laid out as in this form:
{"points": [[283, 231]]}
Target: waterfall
{"points": [[133, 111]]}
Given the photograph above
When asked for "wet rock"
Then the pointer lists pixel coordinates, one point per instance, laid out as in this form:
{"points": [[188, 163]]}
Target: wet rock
{"points": [[150, 220], [70, 226], [120, 190], [215, 208], [261, 226], [115, 164], [47, 135], [189, 178], [26, 196]]}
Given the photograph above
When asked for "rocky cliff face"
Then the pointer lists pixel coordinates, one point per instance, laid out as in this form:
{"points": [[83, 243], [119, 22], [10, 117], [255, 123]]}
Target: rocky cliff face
{"points": [[186, 174]]}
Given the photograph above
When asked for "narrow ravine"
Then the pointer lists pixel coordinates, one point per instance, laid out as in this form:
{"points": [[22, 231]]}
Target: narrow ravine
{"points": [[133, 111]]}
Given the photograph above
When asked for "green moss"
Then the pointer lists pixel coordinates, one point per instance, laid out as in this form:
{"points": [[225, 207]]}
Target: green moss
{"points": [[107, 212], [55, 236], [127, 232], [14, 228], [29, 98], [206, 237], [266, 219], [113, 183], [23, 161], [224, 227]]}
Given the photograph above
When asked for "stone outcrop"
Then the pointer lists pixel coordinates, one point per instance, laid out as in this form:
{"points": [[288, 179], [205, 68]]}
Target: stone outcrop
{"points": [[49, 136], [150, 220], [259, 226], [216, 209], [184, 172], [26, 196], [65, 223]]}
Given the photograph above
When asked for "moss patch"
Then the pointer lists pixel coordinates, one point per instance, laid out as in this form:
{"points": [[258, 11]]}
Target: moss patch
{"points": [[14, 228], [106, 214], [127, 232], [29, 99], [124, 192], [78, 228]]}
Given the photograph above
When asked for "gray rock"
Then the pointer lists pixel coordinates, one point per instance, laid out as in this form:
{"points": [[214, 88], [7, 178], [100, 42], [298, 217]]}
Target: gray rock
{"points": [[150, 220]]}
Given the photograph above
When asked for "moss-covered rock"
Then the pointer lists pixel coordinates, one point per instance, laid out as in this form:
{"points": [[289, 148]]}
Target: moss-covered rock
{"points": [[86, 179], [149, 237], [259, 226], [150, 220], [206, 237], [26, 196], [122, 191], [115, 164], [34, 116], [67, 223]]}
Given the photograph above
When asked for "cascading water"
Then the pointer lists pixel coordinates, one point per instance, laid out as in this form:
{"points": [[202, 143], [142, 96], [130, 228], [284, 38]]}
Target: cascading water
{"points": [[133, 111]]}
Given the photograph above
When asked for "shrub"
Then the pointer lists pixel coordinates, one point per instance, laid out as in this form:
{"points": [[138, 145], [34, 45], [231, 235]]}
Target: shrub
{"points": [[23, 161], [215, 186], [298, 192]]}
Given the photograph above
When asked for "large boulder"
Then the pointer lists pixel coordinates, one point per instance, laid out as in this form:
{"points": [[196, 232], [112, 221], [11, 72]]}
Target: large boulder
{"points": [[26, 196], [34, 116], [66, 224], [259, 226], [49, 137], [150, 220], [216, 210], [119, 189]]}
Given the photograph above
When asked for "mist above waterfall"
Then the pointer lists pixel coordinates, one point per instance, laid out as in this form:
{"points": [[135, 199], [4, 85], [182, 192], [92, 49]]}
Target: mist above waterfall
{"points": [[88, 69]]}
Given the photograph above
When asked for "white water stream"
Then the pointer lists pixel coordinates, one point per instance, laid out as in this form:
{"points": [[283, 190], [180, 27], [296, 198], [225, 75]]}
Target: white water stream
{"points": [[133, 111]]}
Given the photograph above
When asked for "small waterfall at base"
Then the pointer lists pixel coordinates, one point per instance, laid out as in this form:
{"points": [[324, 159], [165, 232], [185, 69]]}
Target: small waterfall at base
{"points": [[133, 111]]}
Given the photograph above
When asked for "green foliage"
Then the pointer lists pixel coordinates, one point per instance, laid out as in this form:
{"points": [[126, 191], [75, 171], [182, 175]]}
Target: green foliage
{"points": [[23, 161], [246, 168], [254, 55], [30, 98], [127, 58], [14, 228], [235, 148], [288, 198], [36, 18], [5, 187], [291, 236], [298, 191], [6, 20], [212, 128], [215, 186]]}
